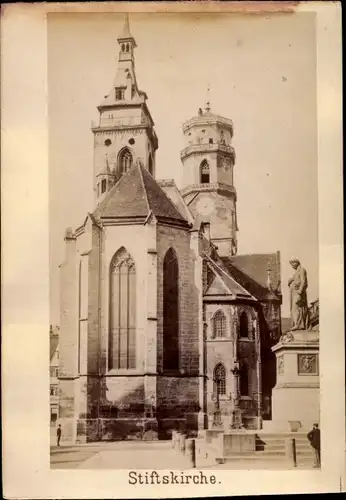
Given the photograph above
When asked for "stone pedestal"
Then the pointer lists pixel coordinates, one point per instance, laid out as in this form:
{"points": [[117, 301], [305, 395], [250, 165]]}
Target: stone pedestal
{"points": [[295, 397]]}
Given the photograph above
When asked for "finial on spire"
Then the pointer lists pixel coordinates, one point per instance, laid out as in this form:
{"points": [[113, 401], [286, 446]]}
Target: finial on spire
{"points": [[126, 33], [207, 104], [126, 30], [269, 278]]}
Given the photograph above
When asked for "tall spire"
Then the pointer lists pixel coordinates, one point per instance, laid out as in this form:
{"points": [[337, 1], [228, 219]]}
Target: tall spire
{"points": [[126, 34], [269, 278], [126, 30]]}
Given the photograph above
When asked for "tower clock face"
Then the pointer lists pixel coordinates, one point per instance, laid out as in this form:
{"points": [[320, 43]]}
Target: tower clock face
{"points": [[205, 205]]}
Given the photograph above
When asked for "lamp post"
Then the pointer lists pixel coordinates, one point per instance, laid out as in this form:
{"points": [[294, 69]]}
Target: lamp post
{"points": [[236, 418], [152, 405], [217, 421]]}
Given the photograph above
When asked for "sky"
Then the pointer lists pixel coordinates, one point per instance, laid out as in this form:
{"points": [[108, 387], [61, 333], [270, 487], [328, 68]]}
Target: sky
{"points": [[262, 74]]}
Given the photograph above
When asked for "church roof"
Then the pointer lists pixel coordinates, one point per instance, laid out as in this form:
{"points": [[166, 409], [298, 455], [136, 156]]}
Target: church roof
{"points": [[173, 193], [137, 195], [53, 344], [229, 285], [286, 325], [251, 271]]}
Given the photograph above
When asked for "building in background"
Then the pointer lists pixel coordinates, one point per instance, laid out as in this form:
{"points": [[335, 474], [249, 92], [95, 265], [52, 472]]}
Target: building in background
{"points": [[160, 318], [53, 373]]}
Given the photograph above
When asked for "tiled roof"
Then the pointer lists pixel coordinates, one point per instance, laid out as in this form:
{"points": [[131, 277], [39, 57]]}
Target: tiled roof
{"points": [[173, 193], [53, 344], [230, 284], [251, 271], [136, 195], [286, 325]]}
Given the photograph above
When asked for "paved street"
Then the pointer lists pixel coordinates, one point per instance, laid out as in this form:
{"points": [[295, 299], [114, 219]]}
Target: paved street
{"points": [[118, 455], [157, 455]]}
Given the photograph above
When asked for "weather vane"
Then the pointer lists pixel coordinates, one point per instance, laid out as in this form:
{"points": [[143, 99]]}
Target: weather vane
{"points": [[207, 104]]}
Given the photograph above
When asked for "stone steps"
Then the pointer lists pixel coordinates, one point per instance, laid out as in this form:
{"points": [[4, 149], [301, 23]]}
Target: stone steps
{"points": [[271, 447]]}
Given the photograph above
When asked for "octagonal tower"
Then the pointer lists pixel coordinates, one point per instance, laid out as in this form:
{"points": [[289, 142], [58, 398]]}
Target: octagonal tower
{"points": [[208, 189]]}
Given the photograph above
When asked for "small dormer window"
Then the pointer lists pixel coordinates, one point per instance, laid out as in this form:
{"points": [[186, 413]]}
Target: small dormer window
{"points": [[211, 141], [103, 186], [119, 94]]}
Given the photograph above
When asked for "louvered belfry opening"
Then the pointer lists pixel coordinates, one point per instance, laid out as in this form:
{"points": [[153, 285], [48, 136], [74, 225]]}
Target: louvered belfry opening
{"points": [[125, 161]]}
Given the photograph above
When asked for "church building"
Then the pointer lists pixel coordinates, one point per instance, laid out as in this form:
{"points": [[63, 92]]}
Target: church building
{"points": [[161, 320]]}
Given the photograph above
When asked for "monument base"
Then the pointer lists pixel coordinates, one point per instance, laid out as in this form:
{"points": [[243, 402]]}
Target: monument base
{"points": [[295, 397]]}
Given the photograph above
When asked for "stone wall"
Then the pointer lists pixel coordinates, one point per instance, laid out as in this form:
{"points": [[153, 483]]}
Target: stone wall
{"points": [[179, 240]]}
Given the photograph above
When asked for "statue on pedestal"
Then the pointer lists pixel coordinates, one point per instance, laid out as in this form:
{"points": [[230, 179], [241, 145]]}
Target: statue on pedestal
{"points": [[298, 285]]}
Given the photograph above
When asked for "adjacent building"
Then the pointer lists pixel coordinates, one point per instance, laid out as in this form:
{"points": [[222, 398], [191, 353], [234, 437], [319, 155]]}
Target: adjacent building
{"points": [[53, 373]]}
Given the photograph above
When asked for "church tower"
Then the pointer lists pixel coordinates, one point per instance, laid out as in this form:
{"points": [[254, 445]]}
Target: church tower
{"points": [[125, 132], [208, 188]]}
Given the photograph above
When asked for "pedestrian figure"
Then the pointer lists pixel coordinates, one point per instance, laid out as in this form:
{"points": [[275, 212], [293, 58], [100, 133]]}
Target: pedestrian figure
{"points": [[58, 434], [314, 438]]}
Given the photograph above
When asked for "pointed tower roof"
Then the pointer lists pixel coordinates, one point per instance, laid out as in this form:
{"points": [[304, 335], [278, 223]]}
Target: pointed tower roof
{"points": [[126, 33], [137, 195]]}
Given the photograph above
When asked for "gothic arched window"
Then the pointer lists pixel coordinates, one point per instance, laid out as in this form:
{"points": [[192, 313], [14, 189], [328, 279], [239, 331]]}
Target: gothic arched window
{"points": [[127, 47], [125, 161], [122, 314], [219, 324], [243, 325], [244, 380], [204, 172], [170, 311], [219, 379]]}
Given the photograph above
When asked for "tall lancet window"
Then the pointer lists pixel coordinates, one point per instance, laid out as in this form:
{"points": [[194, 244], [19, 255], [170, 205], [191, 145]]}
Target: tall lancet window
{"points": [[122, 314], [125, 161], [204, 172], [170, 311], [244, 380], [243, 325], [219, 380], [219, 324]]}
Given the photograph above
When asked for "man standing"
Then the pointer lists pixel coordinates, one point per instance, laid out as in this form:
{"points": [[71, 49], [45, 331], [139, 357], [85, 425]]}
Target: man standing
{"points": [[314, 438], [58, 434]]}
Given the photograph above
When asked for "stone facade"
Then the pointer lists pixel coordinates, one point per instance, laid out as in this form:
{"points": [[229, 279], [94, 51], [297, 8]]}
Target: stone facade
{"points": [[53, 373], [159, 317]]}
